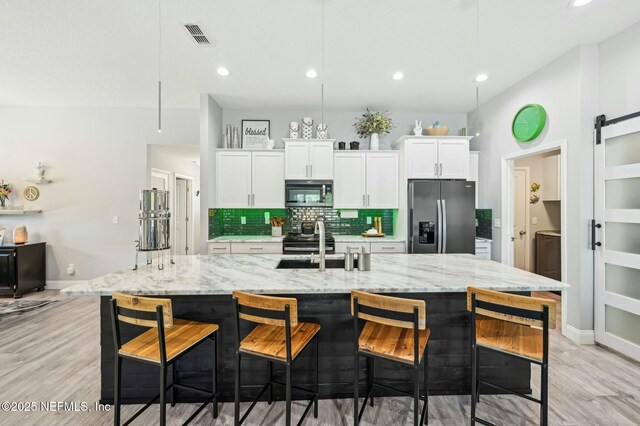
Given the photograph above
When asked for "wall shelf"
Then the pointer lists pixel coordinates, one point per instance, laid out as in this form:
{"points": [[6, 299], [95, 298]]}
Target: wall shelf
{"points": [[38, 181], [18, 212]]}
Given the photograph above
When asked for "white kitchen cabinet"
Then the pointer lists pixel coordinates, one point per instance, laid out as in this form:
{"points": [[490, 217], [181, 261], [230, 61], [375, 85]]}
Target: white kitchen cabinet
{"points": [[341, 247], [365, 180], [434, 158], [550, 186], [305, 159], [474, 171], [373, 247], [483, 248], [233, 179], [247, 179], [219, 248], [382, 180], [422, 158], [349, 180], [267, 180], [382, 247], [256, 248]]}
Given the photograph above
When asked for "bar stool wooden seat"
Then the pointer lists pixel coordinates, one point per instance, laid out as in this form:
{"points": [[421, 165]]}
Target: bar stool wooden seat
{"points": [[167, 340], [517, 326], [278, 337], [395, 330]]}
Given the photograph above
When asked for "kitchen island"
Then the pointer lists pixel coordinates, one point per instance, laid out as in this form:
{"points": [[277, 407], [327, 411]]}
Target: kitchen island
{"points": [[201, 286]]}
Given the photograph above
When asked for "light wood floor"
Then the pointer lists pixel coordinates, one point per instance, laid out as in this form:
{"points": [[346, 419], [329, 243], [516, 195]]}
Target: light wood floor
{"points": [[52, 354]]}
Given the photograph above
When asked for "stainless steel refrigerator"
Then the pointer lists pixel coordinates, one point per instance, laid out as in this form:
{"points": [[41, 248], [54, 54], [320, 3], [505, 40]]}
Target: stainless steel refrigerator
{"points": [[442, 216]]}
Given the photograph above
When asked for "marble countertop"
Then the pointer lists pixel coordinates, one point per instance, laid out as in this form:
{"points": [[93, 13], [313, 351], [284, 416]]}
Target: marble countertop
{"points": [[255, 273], [270, 239]]}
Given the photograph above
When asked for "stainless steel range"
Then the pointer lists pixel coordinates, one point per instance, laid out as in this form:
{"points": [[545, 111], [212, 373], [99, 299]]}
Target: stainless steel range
{"points": [[307, 242]]}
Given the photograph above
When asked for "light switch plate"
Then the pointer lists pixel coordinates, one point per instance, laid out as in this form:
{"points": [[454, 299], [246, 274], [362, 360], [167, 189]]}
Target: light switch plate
{"points": [[368, 220], [497, 223], [534, 220], [116, 220], [267, 216], [243, 220]]}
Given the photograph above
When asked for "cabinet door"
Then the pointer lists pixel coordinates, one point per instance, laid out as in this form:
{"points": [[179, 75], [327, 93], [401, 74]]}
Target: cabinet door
{"points": [[321, 160], [233, 179], [296, 159], [422, 158], [349, 176], [453, 158], [474, 171], [267, 181], [382, 180]]}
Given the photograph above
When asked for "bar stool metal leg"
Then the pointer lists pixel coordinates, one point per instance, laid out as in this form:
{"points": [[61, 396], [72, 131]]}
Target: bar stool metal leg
{"points": [[288, 395], [478, 374], [544, 397], [370, 377], [214, 377], [315, 403], [237, 391], [356, 383], [425, 372], [270, 389], [173, 382], [117, 388], [474, 381], [163, 396], [416, 395]]}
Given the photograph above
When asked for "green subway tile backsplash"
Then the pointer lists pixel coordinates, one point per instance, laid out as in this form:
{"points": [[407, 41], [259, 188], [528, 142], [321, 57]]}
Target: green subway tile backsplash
{"points": [[484, 225], [229, 221]]}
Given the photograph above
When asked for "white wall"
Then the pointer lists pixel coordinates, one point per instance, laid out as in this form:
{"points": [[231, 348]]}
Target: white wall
{"points": [[340, 123], [98, 160], [179, 160], [210, 139], [567, 88]]}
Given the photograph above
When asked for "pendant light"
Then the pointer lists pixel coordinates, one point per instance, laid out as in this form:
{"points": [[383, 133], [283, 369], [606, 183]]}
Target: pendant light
{"points": [[159, 66]]}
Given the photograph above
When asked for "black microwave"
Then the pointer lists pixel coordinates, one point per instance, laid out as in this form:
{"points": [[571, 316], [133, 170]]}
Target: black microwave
{"points": [[308, 193]]}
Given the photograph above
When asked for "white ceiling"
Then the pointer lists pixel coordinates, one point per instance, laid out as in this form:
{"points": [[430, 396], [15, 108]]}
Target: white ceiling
{"points": [[104, 53]]}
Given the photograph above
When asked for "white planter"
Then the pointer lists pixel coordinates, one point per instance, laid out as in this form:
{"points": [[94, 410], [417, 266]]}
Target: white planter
{"points": [[375, 142], [276, 231]]}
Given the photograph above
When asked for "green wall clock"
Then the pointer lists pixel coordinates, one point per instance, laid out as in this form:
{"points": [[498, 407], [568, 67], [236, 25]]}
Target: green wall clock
{"points": [[529, 122]]}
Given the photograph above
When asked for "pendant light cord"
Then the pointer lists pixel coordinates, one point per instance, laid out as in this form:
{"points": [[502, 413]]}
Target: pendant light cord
{"points": [[477, 67], [322, 63], [159, 65]]}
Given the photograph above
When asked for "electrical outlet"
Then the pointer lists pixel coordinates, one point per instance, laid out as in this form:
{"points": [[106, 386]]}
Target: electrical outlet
{"points": [[243, 220], [497, 223], [534, 220], [71, 269], [116, 220], [267, 216], [368, 220]]}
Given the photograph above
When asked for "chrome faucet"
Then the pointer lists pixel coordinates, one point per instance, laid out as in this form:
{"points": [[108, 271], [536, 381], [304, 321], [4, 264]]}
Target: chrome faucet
{"points": [[323, 250]]}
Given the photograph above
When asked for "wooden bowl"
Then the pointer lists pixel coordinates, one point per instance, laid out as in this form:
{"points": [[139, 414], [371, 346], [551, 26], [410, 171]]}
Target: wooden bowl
{"points": [[438, 131]]}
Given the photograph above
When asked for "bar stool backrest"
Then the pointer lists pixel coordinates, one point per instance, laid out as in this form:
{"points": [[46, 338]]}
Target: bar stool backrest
{"points": [[267, 309], [132, 309], [393, 311], [511, 307]]}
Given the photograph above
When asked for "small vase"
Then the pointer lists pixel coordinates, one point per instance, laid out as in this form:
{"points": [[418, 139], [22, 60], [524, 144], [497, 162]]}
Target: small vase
{"points": [[276, 231], [3, 201], [375, 142]]}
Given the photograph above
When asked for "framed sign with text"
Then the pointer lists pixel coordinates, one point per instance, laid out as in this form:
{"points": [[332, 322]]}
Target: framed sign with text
{"points": [[255, 133]]}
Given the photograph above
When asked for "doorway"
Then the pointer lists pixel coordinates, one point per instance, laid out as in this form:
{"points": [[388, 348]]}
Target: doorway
{"points": [[533, 185], [183, 235]]}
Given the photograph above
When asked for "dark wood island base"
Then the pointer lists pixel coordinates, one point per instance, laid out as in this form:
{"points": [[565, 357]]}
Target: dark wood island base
{"points": [[449, 352]]}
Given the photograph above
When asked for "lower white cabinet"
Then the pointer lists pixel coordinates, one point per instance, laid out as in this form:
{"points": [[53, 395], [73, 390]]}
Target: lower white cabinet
{"points": [[365, 180], [219, 248], [256, 248], [483, 249], [387, 247], [373, 247]]}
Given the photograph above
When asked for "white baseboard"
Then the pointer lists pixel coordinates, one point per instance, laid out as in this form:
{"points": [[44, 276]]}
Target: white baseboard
{"points": [[60, 284], [581, 337]]}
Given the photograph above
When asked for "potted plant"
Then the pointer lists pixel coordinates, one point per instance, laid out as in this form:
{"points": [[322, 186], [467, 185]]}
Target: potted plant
{"points": [[276, 226], [5, 190], [373, 123]]}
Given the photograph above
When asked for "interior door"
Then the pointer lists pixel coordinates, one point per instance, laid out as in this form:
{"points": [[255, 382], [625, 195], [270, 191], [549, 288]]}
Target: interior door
{"points": [[382, 180], [321, 160], [296, 158], [617, 257], [267, 180], [519, 236], [422, 158], [233, 179], [453, 158], [349, 177], [424, 216], [458, 216], [181, 237]]}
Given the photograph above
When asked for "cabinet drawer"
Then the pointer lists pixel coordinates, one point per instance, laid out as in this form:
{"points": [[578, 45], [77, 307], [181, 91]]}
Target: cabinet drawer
{"points": [[355, 247], [219, 248], [256, 248], [387, 248], [485, 255]]}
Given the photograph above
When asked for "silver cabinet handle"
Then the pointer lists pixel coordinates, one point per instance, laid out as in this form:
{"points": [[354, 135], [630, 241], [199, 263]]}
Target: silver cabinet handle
{"points": [[306, 171], [439, 220], [368, 200], [387, 248], [364, 200], [311, 170], [218, 248], [249, 200], [253, 199], [444, 226], [256, 248], [435, 169], [440, 169]]}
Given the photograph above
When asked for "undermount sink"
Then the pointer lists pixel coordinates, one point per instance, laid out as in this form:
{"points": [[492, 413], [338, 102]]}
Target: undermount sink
{"points": [[306, 264]]}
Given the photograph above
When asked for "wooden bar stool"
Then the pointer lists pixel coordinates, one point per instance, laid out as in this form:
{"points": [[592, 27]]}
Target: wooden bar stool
{"points": [[167, 339], [517, 326], [279, 337], [396, 330]]}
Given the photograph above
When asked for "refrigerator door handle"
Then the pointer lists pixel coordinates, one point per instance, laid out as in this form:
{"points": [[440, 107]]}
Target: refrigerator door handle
{"points": [[439, 220], [411, 236], [444, 227]]}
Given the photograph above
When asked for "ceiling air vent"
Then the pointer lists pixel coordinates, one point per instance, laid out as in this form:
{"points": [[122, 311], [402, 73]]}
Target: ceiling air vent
{"points": [[197, 34]]}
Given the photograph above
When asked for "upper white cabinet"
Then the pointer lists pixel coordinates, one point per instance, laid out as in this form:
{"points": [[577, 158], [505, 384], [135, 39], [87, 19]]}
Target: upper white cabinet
{"points": [[550, 187], [474, 170], [366, 180], [250, 179], [436, 158], [305, 159]]}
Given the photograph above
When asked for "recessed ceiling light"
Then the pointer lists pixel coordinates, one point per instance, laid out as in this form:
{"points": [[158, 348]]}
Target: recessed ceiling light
{"points": [[578, 3], [481, 77], [398, 76], [223, 71], [312, 73]]}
